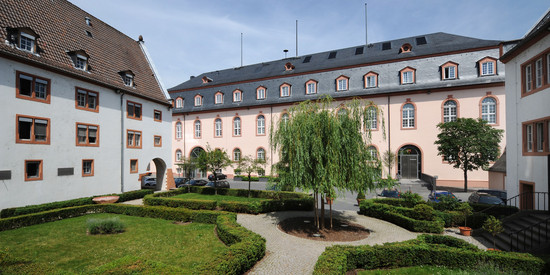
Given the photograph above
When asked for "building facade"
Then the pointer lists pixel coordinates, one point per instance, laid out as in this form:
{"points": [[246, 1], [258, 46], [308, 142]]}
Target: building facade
{"points": [[84, 113], [415, 82], [528, 116]]}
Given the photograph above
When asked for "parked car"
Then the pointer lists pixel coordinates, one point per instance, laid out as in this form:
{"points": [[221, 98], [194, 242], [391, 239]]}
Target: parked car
{"points": [[503, 195], [218, 184], [194, 183], [390, 194], [150, 182], [180, 181], [218, 177], [484, 198], [436, 197]]}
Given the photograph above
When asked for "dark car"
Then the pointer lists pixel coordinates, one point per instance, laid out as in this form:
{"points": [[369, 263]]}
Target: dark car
{"points": [[484, 198], [218, 184], [390, 194], [497, 193], [218, 177], [436, 197], [195, 183], [180, 181]]}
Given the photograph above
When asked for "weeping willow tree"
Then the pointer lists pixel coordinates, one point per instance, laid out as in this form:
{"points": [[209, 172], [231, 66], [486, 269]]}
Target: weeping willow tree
{"points": [[324, 151]]}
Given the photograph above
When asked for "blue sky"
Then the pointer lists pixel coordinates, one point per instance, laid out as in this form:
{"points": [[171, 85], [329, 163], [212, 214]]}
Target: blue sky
{"points": [[188, 38]]}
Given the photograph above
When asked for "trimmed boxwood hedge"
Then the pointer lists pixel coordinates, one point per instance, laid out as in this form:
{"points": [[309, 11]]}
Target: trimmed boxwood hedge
{"points": [[278, 201], [17, 211], [245, 247], [425, 250], [401, 216]]}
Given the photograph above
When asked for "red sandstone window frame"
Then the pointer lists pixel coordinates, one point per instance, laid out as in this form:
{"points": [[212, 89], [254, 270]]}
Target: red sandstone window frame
{"points": [[88, 94], [449, 65], [197, 133], [34, 79], [155, 144], [281, 88], [91, 173], [414, 119], [313, 84], [197, 100], [346, 83], [220, 101], [529, 88], [258, 93], [366, 80], [259, 127], [179, 103], [32, 139], [449, 98], [402, 73], [545, 121], [87, 143], [497, 108], [215, 127], [237, 96], [487, 60], [240, 128], [368, 124], [136, 108], [133, 142], [178, 132], [233, 154], [136, 166], [159, 113], [40, 175]]}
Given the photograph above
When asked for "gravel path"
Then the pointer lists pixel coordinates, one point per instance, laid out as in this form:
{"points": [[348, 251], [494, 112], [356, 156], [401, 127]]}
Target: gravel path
{"points": [[287, 254]]}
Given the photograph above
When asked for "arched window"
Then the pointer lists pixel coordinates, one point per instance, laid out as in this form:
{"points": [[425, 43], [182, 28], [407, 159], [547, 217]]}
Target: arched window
{"points": [[449, 111], [260, 92], [218, 98], [408, 116], [237, 96], [197, 129], [178, 130], [218, 127], [284, 90], [260, 121], [260, 154], [285, 117], [237, 126], [489, 110], [179, 102], [198, 100], [236, 154], [178, 155], [373, 152], [372, 118]]}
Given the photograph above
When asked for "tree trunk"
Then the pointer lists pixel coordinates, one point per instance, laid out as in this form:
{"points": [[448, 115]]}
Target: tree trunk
{"points": [[316, 201], [465, 180], [248, 185], [330, 207], [322, 211]]}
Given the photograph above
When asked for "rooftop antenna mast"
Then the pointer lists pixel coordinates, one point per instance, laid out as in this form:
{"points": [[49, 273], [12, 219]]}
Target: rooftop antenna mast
{"points": [[241, 49], [366, 36], [296, 37]]}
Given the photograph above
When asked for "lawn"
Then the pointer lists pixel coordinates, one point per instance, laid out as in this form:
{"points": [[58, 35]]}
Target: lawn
{"points": [[148, 245], [217, 198]]}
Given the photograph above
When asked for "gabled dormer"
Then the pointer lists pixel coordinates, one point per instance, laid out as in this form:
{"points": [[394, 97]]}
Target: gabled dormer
{"points": [[80, 59], [23, 38], [127, 78]]}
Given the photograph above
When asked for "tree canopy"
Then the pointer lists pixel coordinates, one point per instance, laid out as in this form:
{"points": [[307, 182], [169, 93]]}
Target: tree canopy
{"points": [[324, 150], [468, 144], [213, 161], [249, 165]]}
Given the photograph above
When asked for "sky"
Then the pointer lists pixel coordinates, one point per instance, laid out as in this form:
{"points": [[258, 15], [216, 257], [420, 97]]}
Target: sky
{"points": [[187, 38]]}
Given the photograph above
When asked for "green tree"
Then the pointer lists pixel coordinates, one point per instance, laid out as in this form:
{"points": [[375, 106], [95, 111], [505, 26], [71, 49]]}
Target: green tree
{"points": [[213, 161], [494, 227], [325, 151], [388, 159], [468, 144], [249, 165], [187, 165]]}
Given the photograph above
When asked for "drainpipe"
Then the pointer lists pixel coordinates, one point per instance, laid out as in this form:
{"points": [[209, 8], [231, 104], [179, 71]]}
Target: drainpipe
{"points": [[270, 124], [389, 133], [121, 140], [183, 129]]}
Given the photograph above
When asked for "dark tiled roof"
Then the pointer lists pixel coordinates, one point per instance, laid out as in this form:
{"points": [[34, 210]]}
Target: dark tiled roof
{"points": [[61, 27], [436, 43]]}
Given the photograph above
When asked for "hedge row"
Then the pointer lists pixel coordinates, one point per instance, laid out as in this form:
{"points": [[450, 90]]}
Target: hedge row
{"points": [[245, 248], [495, 210], [279, 201], [401, 216], [439, 251], [17, 211]]}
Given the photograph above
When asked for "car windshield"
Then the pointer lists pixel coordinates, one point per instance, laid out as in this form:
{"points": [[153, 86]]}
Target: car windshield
{"points": [[489, 200]]}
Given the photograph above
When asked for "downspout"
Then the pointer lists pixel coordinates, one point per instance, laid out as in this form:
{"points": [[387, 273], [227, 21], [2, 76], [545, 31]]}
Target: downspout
{"points": [[184, 144], [271, 123], [121, 140], [389, 134]]}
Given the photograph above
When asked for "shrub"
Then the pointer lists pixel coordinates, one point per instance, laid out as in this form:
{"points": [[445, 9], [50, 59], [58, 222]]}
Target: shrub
{"points": [[105, 226], [49, 216], [425, 250], [424, 212], [446, 203], [411, 199], [494, 210]]}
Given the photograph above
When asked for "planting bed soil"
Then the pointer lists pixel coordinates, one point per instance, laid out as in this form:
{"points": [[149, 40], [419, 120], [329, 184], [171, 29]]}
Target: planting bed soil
{"points": [[342, 231]]}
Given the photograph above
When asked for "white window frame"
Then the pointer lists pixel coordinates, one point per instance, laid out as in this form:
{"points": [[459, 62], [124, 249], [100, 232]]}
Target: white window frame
{"points": [[373, 152], [236, 154], [486, 113], [260, 154], [407, 77], [538, 73], [128, 80], [237, 96], [29, 42], [528, 78], [178, 130], [260, 125], [488, 68], [539, 127], [449, 111], [372, 116], [198, 101], [260, 93], [342, 84], [218, 98], [285, 91], [178, 155], [529, 137], [80, 62], [311, 88], [197, 127], [449, 72], [237, 126], [408, 116], [371, 81], [218, 127]]}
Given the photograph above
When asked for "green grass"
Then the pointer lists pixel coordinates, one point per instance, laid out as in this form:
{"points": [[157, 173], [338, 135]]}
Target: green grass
{"points": [[483, 269], [148, 245], [196, 196]]}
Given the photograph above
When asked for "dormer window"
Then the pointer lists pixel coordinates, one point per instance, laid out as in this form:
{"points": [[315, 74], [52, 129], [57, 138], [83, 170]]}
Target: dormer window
{"points": [[80, 59], [127, 78], [218, 98], [237, 96], [407, 75], [449, 70], [342, 83], [260, 92], [284, 90], [487, 66], [206, 79], [198, 100], [406, 48], [23, 38], [311, 87], [88, 21], [289, 66], [179, 103]]}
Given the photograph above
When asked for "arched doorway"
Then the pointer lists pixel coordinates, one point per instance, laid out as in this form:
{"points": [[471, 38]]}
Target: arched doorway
{"points": [[154, 178], [409, 162], [195, 153]]}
